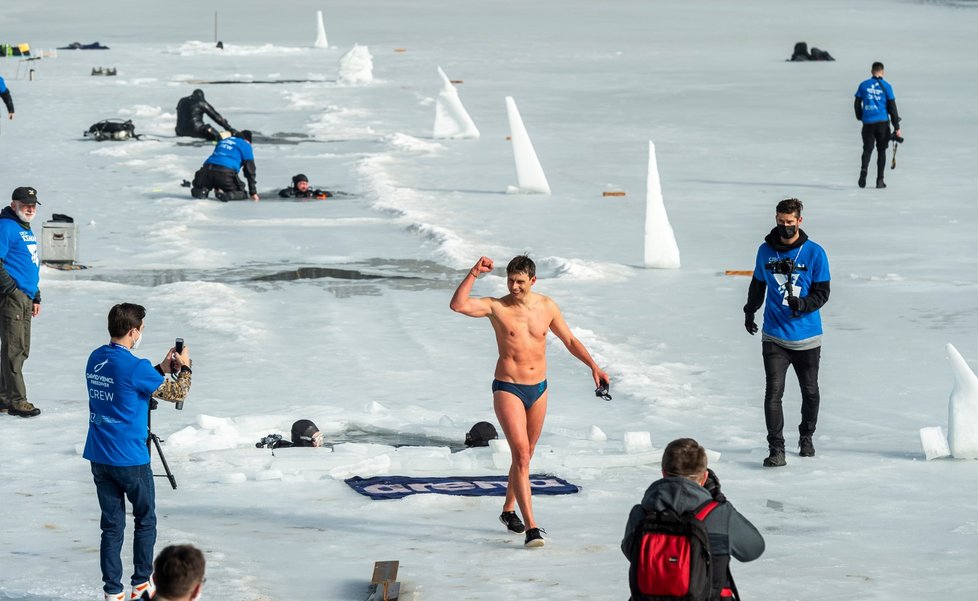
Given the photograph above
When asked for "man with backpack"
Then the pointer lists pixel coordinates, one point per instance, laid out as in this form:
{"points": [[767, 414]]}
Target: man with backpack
{"points": [[679, 540]]}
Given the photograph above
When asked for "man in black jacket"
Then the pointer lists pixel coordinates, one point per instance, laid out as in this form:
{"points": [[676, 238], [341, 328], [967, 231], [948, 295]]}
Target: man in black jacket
{"points": [[686, 485], [190, 118]]}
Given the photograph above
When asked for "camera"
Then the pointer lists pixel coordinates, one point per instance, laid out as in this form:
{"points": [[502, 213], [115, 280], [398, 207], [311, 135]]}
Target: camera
{"points": [[783, 266], [268, 442], [602, 391], [896, 138]]}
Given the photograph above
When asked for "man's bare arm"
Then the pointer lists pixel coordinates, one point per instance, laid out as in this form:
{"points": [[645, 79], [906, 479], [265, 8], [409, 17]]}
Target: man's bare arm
{"points": [[462, 302], [559, 327]]}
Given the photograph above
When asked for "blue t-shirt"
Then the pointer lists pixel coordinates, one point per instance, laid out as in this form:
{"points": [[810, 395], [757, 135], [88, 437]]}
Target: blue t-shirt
{"points": [[18, 250], [231, 152], [811, 265], [3, 86], [874, 93], [119, 388]]}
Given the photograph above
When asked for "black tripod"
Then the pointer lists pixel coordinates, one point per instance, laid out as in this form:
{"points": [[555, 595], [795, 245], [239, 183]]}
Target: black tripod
{"points": [[155, 440]]}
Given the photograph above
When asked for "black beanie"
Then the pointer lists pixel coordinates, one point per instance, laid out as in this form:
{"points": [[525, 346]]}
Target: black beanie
{"points": [[246, 134], [299, 178], [302, 432]]}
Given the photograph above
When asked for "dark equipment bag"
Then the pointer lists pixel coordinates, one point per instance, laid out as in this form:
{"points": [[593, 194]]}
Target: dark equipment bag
{"points": [[670, 558], [112, 129]]}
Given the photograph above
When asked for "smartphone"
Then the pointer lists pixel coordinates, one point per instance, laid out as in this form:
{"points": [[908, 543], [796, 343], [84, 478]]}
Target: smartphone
{"points": [[178, 345]]}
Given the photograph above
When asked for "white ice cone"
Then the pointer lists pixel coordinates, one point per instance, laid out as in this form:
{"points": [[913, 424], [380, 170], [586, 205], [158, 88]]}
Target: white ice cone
{"points": [[451, 118], [529, 173], [962, 420], [357, 66], [661, 250], [321, 41]]}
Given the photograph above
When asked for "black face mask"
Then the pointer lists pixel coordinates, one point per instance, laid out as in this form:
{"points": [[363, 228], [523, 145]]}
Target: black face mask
{"points": [[787, 232]]}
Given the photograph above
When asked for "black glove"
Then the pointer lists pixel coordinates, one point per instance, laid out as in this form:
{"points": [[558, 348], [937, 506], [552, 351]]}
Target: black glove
{"points": [[712, 485], [795, 303], [749, 323]]}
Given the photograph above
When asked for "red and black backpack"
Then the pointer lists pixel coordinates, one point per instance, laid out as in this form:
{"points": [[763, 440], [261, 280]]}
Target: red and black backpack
{"points": [[670, 557]]}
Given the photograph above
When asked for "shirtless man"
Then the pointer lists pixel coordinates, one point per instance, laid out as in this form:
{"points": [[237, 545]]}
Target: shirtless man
{"points": [[519, 392]]}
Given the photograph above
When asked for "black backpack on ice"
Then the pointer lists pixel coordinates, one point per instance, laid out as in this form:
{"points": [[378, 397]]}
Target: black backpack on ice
{"points": [[112, 129], [670, 557]]}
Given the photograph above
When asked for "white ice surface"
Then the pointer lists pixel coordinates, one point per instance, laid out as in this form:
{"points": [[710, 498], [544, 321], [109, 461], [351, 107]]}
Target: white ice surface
{"points": [[736, 129]]}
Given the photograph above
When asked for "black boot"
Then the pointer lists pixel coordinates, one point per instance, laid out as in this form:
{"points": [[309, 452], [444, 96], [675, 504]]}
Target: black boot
{"points": [[805, 447], [775, 459], [879, 183], [862, 178], [199, 192]]}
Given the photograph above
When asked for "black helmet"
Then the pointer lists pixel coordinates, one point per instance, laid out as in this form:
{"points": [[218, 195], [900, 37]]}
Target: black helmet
{"points": [[303, 433], [480, 435], [198, 94]]}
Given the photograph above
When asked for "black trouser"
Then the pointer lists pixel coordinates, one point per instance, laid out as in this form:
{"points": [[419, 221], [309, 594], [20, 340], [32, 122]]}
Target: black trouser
{"points": [[214, 177], [205, 132], [776, 362], [878, 135]]}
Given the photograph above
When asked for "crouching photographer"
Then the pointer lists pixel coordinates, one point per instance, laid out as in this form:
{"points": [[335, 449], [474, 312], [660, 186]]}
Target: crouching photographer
{"points": [[686, 503], [121, 389]]}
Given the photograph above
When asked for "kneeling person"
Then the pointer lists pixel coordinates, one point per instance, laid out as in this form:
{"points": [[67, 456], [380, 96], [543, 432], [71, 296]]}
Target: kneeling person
{"points": [[220, 170]]}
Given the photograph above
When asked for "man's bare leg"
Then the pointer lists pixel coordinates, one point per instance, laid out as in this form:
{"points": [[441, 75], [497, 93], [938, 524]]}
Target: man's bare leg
{"points": [[522, 430]]}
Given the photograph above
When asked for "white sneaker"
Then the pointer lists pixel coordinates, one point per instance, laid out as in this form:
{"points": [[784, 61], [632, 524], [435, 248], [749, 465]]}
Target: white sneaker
{"points": [[115, 597], [139, 590]]}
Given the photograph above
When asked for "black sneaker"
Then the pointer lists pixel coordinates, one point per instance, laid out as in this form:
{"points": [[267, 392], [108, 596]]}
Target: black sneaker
{"points": [[534, 537], [775, 459], [880, 184], [805, 447], [25, 409], [512, 522], [862, 179]]}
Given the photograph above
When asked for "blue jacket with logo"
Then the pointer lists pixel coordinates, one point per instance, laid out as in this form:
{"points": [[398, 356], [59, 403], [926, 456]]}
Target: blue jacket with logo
{"points": [[19, 263], [876, 103], [119, 389], [809, 280], [5, 95], [236, 153]]}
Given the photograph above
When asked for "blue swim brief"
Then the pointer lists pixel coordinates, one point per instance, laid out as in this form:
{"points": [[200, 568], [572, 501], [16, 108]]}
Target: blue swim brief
{"points": [[528, 393]]}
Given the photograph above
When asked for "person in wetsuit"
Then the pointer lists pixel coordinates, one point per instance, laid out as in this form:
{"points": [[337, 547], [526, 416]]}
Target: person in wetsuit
{"points": [[190, 118]]}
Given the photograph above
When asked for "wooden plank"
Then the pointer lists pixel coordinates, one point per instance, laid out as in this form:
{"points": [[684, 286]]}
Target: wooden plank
{"points": [[739, 272], [384, 571], [391, 591]]}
